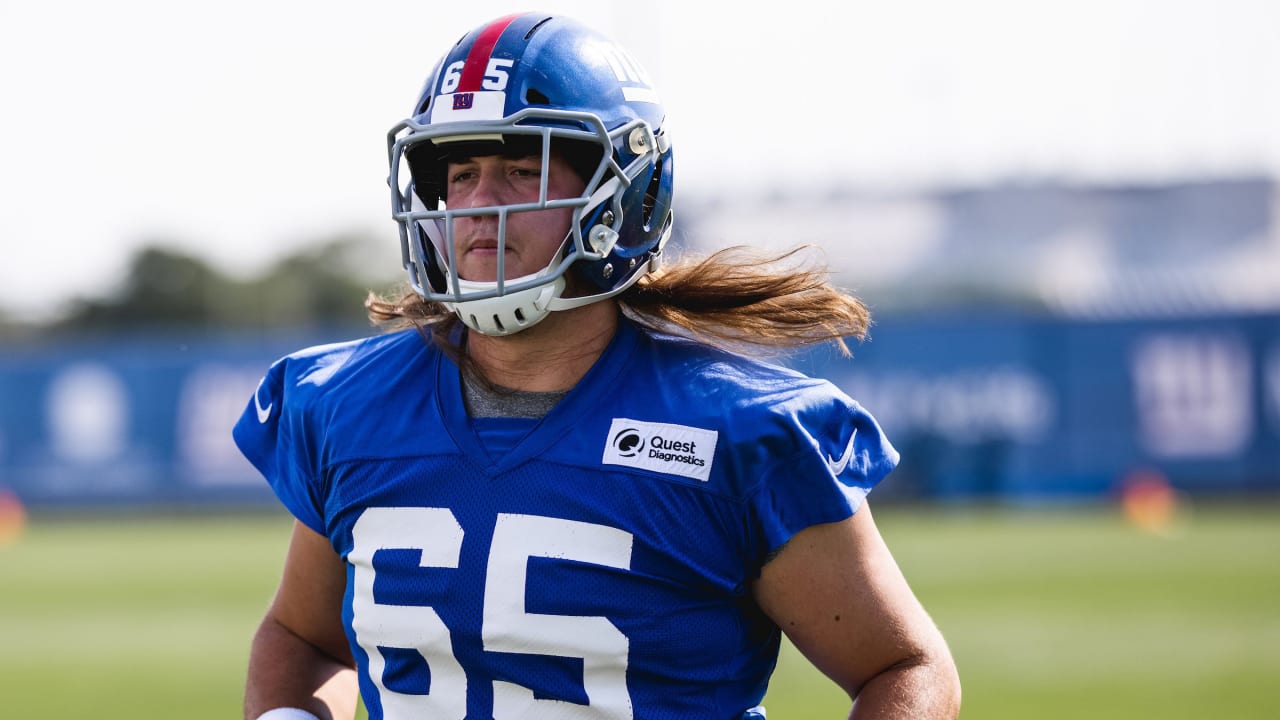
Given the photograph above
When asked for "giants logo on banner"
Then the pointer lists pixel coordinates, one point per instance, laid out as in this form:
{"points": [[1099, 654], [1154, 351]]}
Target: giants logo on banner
{"points": [[1193, 394]]}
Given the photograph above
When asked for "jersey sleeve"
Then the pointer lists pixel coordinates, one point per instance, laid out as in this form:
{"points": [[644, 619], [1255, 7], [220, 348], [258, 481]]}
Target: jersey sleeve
{"points": [[830, 453], [272, 434]]}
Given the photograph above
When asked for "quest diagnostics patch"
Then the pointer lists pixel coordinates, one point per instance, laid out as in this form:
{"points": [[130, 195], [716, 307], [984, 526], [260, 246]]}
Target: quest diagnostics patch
{"points": [[661, 447]]}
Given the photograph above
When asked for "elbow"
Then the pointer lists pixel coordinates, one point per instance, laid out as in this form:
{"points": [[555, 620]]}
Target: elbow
{"points": [[941, 684], [949, 689], [925, 686], [940, 681]]}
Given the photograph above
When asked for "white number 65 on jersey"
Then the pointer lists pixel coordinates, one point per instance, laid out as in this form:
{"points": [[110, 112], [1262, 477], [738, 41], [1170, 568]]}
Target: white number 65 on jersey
{"points": [[507, 627]]}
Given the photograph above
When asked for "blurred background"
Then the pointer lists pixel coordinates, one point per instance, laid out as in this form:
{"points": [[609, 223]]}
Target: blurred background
{"points": [[1065, 217]]}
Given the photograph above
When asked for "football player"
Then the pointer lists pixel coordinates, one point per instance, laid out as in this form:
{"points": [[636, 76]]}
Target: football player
{"points": [[560, 485]]}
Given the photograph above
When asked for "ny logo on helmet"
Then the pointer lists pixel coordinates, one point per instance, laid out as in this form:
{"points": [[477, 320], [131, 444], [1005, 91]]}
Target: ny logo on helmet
{"points": [[631, 76]]}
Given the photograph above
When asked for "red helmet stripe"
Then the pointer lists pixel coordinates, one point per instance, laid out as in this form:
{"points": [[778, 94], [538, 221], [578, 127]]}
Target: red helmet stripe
{"points": [[478, 58]]}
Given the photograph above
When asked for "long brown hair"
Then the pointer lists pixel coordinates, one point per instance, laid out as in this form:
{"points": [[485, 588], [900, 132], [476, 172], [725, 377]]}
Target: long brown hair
{"points": [[739, 298]]}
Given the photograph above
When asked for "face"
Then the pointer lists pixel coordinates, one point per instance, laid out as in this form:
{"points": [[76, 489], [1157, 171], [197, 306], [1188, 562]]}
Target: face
{"points": [[532, 238]]}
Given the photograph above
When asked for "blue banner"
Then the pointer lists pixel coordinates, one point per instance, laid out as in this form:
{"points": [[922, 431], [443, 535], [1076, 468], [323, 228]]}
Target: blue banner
{"points": [[1042, 409], [1015, 408]]}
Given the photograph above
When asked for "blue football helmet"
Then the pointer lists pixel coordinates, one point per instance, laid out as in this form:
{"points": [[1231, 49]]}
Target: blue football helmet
{"points": [[519, 85]]}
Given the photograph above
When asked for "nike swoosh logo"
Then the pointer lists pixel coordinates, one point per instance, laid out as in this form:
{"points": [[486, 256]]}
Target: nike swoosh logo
{"points": [[264, 413], [838, 466]]}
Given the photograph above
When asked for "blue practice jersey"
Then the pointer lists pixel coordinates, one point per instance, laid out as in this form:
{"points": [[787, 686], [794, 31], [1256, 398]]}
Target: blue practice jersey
{"points": [[600, 565]]}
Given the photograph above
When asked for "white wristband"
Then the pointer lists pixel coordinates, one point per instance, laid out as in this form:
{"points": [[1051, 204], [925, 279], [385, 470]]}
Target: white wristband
{"points": [[287, 714]]}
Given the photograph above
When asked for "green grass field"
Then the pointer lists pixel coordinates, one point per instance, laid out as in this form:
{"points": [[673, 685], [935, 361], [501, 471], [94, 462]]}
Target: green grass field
{"points": [[1063, 614]]}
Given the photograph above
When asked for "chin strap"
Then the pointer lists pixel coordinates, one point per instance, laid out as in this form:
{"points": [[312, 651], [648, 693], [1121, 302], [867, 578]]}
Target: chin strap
{"points": [[506, 314], [509, 314]]}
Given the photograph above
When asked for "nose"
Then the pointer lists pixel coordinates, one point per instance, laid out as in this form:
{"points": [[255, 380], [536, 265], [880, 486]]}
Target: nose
{"points": [[483, 191], [486, 191], [489, 188]]}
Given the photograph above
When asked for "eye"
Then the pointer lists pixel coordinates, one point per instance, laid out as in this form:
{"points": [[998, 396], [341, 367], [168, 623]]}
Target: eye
{"points": [[461, 176]]}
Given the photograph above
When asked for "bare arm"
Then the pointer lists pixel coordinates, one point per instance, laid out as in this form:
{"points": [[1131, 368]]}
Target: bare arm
{"points": [[300, 657], [838, 594]]}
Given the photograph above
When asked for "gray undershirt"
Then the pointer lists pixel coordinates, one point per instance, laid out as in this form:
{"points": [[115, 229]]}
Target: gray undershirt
{"points": [[483, 401]]}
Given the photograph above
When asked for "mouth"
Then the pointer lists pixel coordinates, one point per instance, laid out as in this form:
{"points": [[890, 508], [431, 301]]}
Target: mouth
{"points": [[479, 259], [482, 246]]}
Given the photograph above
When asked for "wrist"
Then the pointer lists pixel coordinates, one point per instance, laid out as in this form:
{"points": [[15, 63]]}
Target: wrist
{"points": [[287, 713]]}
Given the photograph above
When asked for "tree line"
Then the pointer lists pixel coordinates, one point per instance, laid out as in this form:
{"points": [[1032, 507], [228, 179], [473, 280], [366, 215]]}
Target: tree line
{"points": [[320, 285]]}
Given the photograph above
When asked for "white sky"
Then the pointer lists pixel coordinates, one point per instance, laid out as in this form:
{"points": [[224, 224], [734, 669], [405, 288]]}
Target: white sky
{"points": [[242, 129]]}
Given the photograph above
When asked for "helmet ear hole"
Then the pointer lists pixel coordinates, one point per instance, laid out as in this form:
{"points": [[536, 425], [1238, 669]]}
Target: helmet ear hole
{"points": [[534, 96], [651, 193]]}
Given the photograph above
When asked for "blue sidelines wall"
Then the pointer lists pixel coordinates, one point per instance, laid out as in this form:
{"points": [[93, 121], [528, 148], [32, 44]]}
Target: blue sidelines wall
{"points": [[1027, 410], [1041, 409]]}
